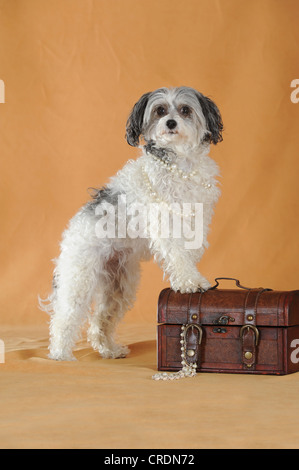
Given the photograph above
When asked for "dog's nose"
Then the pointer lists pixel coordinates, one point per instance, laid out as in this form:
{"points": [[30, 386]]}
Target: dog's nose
{"points": [[171, 124]]}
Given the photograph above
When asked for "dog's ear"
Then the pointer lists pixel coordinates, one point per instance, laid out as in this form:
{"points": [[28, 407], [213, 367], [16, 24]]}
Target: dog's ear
{"points": [[135, 120], [213, 119]]}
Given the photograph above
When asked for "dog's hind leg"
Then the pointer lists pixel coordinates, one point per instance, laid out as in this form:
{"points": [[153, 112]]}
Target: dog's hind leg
{"points": [[115, 294], [108, 311], [76, 274]]}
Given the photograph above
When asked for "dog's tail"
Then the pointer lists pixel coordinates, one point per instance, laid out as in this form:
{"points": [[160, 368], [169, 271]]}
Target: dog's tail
{"points": [[47, 304]]}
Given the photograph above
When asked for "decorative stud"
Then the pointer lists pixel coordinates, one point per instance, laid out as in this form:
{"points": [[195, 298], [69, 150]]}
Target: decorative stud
{"points": [[190, 352]]}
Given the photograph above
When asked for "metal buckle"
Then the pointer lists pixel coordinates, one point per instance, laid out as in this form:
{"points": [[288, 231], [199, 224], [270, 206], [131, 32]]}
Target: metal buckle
{"points": [[193, 325], [254, 328]]}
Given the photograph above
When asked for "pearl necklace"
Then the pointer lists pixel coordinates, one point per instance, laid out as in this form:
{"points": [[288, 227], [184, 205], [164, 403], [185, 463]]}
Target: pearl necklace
{"points": [[174, 168], [154, 194], [157, 199], [188, 370], [166, 163]]}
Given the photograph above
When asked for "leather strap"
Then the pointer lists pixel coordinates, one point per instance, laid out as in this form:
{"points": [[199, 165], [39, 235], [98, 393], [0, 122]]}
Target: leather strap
{"points": [[249, 332], [193, 339], [194, 308], [194, 330], [250, 306], [249, 336]]}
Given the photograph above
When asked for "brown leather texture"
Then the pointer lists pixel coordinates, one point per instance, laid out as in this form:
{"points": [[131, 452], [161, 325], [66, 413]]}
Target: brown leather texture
{"points": [[244, 330]]}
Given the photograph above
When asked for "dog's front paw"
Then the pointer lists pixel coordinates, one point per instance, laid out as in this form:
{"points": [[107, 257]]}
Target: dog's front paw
{"points": [[204, 284], [191, 286]]}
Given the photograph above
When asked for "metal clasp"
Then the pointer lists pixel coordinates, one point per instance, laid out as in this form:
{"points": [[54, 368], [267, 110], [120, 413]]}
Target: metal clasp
{"points": [[219, 330], [193, 325], [254, 328], [223, 320]]}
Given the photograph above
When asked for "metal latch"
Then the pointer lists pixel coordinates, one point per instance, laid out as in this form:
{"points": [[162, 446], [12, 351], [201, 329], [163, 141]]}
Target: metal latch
{"points": [[219, 330], [223, 320]]}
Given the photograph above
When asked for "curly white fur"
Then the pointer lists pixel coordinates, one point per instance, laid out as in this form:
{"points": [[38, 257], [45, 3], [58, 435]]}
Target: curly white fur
{"points": [[104, 272]]}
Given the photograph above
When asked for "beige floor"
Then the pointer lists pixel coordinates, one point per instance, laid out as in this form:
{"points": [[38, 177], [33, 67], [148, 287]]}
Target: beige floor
{"points": [[96, 403]]}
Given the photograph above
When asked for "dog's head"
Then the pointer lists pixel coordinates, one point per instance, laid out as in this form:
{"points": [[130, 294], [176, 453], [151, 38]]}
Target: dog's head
{"points": [[171, 117]]}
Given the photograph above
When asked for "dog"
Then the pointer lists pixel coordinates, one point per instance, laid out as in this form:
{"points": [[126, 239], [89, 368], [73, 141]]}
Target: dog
{"points": [[96, 276]]}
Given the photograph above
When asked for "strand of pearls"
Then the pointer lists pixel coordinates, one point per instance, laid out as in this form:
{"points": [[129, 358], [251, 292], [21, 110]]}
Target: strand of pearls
{"points": [[174, 168], [188, 370], [156, 198], [166, 163]]}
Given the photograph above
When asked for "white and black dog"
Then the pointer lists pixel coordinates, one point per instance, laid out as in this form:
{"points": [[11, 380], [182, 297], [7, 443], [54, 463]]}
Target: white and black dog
{"points": [[96, 275]]}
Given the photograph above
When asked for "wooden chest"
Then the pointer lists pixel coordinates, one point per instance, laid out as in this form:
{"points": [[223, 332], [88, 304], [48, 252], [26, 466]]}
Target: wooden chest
{"points": [[240, 330]]}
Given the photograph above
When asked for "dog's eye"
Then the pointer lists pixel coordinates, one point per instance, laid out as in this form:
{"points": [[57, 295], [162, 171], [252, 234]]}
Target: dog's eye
{"points": [[161, 111], [185, 111]]}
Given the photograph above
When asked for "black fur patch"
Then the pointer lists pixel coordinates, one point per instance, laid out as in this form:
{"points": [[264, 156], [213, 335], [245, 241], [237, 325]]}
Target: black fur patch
{"points": [[135, 120], [160, 152], [213, 119], [103, 194]]}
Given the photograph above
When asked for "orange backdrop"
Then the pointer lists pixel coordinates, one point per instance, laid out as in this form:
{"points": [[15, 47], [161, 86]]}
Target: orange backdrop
{"points": [[73, 69]]}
